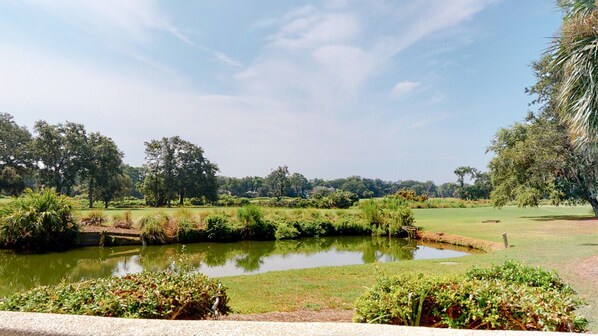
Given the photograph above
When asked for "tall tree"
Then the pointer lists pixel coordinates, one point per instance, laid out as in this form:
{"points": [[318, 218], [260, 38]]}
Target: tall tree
{"points": [[15, 154], [177, 168], [103, 169], [278, 181], [536, 159], [299, 185], [60, 151]]}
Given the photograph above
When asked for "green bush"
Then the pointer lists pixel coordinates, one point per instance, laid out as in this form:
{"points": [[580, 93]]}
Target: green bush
{"points": [[187, 231], [219, 228], [38, 222], [162, 295], [254, 225], [472, 303], [351, 226], [153, 228], [286, 231], [513, 272]]}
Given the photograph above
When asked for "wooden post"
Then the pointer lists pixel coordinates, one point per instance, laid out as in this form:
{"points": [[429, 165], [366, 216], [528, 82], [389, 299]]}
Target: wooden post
{"points": [[505, 240]]}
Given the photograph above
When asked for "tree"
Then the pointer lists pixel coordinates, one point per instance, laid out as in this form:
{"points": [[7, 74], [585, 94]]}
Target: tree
{"points": [[15, 154], [177, 168], [481, 187], [536, 159], [136, 175], [103, 169], [114, 187], [575, 56], [60, 153], [278, 181], [299, 185]]}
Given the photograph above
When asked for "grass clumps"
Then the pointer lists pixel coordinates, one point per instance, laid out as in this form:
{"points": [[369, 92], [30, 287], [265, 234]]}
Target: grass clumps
{"points": [[94, 218], [482, 299], [38, 222], [161, 295], [124, 221], [154, 228]]}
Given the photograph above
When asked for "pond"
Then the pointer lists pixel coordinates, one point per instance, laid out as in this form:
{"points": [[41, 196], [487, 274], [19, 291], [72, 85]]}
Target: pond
{"points": [[20, 272]]}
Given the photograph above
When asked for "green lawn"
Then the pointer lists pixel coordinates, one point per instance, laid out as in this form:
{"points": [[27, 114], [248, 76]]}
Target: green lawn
{"points": [[553, 237]]}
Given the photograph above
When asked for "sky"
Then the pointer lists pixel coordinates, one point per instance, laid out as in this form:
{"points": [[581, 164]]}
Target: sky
{"points": [[389, 89]]}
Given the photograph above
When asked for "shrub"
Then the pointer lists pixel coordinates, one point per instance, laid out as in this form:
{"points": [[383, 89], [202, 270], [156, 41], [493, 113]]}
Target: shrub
{"points": [[187, 231], [458, 302], [153, 228], [286, 231], [219, 228], [351, 226], [124, 221], [38, 222], [94, 218], [343, 199], [513, 272], [254, 225], [161, 295]]}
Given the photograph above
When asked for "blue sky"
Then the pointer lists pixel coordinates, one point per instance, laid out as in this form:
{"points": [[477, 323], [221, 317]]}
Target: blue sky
{"points": [[378, 88]]}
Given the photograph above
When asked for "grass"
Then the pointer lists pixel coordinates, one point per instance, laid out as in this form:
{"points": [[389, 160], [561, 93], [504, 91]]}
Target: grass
{"points": [[558, 244], [557, 238]]}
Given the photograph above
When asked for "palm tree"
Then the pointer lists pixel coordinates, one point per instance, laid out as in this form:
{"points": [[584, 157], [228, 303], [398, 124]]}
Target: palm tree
{"points": [[575, 54]]}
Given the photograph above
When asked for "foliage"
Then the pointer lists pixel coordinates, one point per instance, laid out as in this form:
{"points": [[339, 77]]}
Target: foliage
{"points": [[61, 151], [351, 226], [175, 167], [124, 221], [153, 228], [94, 218], [473, 303], [536, 160], [219, 228], [278, 181], [103, 170], [254, 225], [162, 295], [386, 221], [38, 222], [15, 155], [514, 272], [575, 54], [481, 187]]}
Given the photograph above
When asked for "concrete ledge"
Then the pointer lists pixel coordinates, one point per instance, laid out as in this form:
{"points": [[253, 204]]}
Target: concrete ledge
{"points": [[36, 324]]}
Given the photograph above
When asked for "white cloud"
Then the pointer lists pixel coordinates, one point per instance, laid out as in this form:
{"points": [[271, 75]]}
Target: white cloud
{"points": [[402, 89]]}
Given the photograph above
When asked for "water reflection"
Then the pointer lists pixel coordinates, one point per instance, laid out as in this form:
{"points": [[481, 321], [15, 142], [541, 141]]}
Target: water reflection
{"points": [[20, 272]]}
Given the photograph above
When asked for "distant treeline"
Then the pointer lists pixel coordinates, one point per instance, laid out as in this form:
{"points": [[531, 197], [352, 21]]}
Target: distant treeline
{"points": [[75, 162], [298, 185]]}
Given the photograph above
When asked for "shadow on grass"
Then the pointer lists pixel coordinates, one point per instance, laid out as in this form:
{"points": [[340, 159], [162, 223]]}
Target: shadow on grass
{"points": [[549, 218], [588, 244]]}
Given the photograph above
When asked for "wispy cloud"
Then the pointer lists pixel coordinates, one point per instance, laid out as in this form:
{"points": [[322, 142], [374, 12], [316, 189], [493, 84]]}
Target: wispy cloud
{"points": [[428, 121], [402, 89], [134, 21]]}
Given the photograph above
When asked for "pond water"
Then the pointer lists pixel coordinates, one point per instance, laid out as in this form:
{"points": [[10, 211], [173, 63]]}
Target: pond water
{"points": [[20, 272]]}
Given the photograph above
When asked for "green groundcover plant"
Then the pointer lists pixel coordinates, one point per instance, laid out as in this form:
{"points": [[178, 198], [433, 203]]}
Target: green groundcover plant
{"points": [[508, 297], [153, 295]]}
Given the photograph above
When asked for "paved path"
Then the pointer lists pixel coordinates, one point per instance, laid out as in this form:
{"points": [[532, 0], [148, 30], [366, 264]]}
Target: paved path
{"points": [[29, 324]]}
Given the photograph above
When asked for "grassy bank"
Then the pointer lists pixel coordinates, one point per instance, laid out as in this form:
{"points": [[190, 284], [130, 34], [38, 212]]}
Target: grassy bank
{"points": [[559, 238]]}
